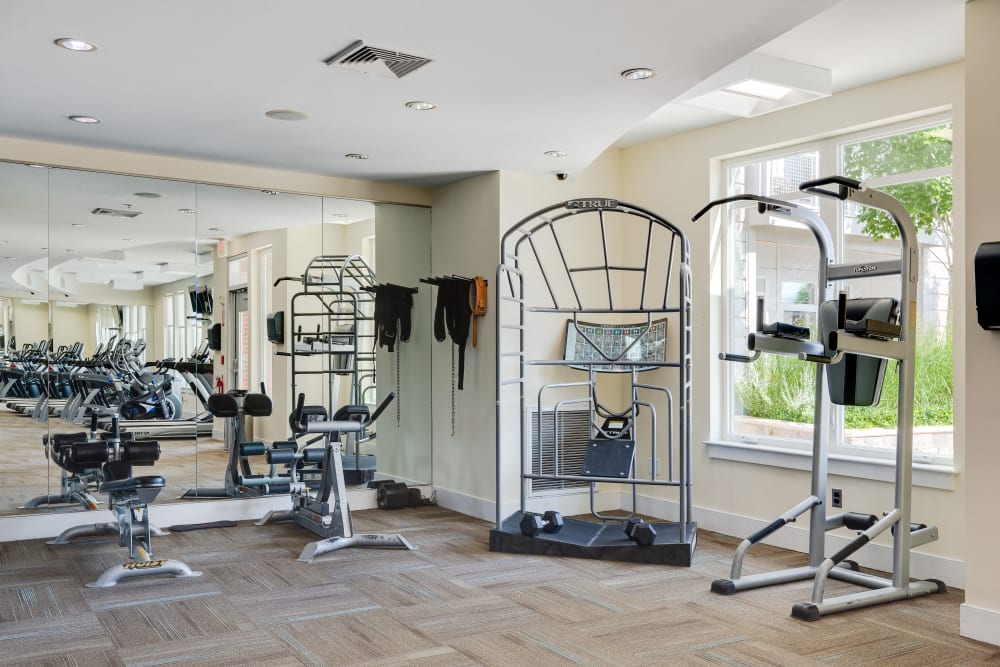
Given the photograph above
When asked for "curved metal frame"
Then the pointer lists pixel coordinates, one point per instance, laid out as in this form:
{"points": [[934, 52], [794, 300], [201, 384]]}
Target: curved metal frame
{"points": [[517, 244]]}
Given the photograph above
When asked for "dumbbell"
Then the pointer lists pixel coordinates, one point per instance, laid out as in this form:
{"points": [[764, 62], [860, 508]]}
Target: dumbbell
{"points": [[639, 531], [533, 523]]}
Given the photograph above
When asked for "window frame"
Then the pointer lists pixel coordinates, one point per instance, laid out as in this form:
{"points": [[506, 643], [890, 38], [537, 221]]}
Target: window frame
{"points": [[929, 471]]}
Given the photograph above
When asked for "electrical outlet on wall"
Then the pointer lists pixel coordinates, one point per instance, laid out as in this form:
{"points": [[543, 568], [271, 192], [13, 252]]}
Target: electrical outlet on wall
{"points": [[837, 497]]}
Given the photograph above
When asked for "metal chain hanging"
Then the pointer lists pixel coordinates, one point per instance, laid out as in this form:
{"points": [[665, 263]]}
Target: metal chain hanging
{"points": [[453, 390], [399, 391]]}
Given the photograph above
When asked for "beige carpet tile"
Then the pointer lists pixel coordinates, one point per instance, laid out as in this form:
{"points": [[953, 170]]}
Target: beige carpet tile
{"points": [[178, 620], [353, 639], [38, 640], [40, 599], [291, 605], [464, 618], [257, 648], [412, 587]]}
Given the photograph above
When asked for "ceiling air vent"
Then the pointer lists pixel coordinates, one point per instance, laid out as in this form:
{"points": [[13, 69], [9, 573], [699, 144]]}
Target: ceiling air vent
{"points": [[376, 61], [116, 213]]}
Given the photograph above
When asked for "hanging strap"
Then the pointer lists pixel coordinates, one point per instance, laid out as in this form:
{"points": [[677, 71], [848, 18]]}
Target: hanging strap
{"points": [[477, 304]]}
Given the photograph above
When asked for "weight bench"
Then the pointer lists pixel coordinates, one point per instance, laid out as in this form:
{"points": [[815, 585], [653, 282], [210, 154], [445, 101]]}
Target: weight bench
{"points": [[128, 498]]}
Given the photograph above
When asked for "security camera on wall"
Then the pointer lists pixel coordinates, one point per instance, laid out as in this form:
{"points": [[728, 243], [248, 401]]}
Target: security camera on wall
{"points": [[561, 175]]}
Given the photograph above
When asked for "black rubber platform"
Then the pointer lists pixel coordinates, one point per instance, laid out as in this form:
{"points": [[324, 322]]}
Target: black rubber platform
{"points": [[591, 539]]}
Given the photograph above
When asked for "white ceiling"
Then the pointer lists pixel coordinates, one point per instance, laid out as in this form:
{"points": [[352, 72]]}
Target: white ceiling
{"points": [[512, 79], [860, 41]]}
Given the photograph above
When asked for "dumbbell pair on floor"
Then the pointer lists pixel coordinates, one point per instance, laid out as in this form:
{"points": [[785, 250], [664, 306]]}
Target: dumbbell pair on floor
{"points": [[533, 523], [639, 531]]}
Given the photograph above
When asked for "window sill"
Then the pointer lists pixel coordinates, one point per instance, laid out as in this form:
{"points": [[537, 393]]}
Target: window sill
{"points": [[926, 475]]}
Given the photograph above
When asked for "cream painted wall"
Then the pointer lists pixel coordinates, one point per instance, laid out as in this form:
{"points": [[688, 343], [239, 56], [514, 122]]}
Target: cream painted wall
{"points": [[31, 322], [465, 221], [71, 324], [403, 256], [674, 177], [981, 611]]}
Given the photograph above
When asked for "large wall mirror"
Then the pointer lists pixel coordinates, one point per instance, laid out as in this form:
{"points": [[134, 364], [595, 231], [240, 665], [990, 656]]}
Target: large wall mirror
{"points": [[132, 300]]}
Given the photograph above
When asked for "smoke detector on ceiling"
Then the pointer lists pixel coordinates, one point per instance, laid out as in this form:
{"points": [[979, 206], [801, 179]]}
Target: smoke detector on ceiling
{"points": [[116, 213], [376, 61]]}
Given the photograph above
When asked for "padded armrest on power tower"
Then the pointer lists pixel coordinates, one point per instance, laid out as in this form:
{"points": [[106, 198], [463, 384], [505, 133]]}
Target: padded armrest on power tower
{"points": [[872, 328], [857, 379], [785, 330]]}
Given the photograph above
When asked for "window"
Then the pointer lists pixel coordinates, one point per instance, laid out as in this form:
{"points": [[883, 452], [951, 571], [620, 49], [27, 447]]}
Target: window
{"points": [[125, 322], [183, 330], [771, 401]]}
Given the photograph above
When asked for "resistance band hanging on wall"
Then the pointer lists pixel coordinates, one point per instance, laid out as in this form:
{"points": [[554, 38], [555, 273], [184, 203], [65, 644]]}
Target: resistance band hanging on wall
{"points": [[461, 301], [393, 305]]}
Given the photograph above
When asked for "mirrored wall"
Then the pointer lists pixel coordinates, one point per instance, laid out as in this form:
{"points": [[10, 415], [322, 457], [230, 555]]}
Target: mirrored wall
{"points": [[132, 300]]}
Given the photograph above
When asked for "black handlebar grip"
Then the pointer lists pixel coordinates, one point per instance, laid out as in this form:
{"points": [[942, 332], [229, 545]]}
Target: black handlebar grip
{"points": [[299, 420], [815, 186], [381, 407]]}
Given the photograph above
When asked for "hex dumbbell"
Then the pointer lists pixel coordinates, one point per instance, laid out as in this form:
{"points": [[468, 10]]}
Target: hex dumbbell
{"points": [[639, 531], [533, 523]]}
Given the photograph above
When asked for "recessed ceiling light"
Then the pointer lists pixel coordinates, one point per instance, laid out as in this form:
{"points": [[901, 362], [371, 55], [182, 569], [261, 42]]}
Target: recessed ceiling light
{"points": [[420, 105], [129, 240], [38, 166], [79, 224], [45, 248], [638, 73], [286, 114], [215, 229], [147, 195], [757, 88], [338, 215], [70, 250], [75, 44], [86, 120], [556, 153], [10, 257], [357, 156], [186, 210], [271, 192]]}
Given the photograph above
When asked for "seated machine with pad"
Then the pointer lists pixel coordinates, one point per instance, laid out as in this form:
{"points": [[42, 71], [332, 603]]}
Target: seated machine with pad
{"points": [[324, 510]]}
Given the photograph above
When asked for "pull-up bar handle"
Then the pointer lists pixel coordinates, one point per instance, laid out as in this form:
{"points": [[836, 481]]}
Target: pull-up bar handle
{"points": [[844, 186], [763, 204], [742, 358]]}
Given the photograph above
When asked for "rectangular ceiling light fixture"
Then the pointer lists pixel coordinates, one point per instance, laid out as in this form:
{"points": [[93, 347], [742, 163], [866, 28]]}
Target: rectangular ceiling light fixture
{"points": [[757, 84]]}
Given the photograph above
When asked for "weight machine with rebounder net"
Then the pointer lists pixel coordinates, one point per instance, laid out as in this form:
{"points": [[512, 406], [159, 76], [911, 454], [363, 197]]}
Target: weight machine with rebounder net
{"points": [[855, 340]]}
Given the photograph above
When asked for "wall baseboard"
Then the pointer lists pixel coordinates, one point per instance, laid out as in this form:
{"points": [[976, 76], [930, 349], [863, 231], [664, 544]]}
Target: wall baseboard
{"points": [[566, 502], [979, 624], [46, 525]]}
